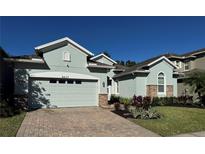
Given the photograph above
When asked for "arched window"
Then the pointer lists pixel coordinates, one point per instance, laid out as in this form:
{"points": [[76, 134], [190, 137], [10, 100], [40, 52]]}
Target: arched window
{"points": [[161, 83]]}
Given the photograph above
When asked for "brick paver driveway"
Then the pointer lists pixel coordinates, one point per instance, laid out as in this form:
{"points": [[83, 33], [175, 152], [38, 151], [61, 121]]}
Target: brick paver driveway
{"points": [[89, 121]]}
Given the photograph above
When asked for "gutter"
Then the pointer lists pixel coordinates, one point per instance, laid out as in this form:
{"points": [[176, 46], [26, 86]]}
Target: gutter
{"points": [[100, 66], [119, 70], [24, 60]]}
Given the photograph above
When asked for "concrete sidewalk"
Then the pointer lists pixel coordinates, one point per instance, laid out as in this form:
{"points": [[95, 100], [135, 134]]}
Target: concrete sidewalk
{"points": [[195, 134]]}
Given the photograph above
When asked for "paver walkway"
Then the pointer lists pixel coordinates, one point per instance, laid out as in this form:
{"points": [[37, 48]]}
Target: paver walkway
{"points": [[195, 134], [89, 121]]}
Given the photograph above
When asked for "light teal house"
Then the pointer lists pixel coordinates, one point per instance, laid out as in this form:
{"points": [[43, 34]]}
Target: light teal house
{"points": [[65, 74]]}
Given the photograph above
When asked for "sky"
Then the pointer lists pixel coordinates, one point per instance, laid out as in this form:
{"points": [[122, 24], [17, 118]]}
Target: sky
{"points": [[124, 38]]}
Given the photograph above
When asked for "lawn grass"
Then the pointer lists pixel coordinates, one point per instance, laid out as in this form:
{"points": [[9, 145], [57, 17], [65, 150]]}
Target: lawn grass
{"points": [[9, 126], [175, 120]]}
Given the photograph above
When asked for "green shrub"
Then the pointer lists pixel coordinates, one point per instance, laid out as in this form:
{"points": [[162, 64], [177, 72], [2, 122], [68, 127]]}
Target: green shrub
{"points": [[114, 99], [156, 101], [140, 113], [8, 107], [146, 103], [172, 101], [125, 101]]}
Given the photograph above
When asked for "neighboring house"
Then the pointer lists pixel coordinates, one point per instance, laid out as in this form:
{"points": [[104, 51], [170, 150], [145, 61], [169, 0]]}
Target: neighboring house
{"points": [[65, 74], [153, 77], [188, 63], [6, 76]]}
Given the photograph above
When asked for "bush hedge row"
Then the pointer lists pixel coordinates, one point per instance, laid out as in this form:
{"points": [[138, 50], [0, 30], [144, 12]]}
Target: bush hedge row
{"points": [[156, 101]]}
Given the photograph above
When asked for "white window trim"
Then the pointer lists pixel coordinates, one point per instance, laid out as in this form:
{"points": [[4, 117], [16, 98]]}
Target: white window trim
{"points": [[117, 90], [69, 56], [165, 85]]}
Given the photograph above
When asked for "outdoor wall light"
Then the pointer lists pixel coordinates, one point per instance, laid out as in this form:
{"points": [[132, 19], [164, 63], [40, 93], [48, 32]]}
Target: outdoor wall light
{"points": [[103, 84]]}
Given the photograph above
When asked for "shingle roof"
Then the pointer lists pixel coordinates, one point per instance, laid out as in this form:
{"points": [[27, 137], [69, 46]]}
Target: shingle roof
{"points": [[144, 63], [138, 66], [194, 52], [142, 66], [194, 71], [27, 56], [119, 66]]}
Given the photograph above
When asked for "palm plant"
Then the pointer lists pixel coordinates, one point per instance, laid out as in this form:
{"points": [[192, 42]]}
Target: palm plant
{"points": [[197, 83]]}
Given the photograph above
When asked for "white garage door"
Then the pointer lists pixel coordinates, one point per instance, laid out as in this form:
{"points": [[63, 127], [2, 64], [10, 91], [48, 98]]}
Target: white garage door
{"points": [[62, 92]]}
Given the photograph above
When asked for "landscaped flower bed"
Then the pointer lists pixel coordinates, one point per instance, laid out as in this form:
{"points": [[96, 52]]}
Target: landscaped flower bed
{"points": [[142, 107], [137, 107]]}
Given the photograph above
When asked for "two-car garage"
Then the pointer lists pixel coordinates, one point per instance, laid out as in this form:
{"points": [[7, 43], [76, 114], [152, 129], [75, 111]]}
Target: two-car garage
{"points": [[62, 89]]}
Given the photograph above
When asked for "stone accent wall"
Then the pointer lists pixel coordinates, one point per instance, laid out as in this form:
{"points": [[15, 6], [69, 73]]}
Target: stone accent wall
{"points": [[152, 90], [103, 100], [169, 90]]}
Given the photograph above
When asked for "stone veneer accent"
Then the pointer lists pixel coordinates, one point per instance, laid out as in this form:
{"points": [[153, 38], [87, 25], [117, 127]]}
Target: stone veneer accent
{"points": [[152, 90], [103, 100], [169, 90]]}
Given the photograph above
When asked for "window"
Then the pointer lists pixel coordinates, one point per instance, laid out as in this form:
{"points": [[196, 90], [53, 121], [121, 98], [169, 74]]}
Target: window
{"points": [[53, 81], [186, 66], [78, 82], [70, 81], [178, 63], [161, 83], [61, 81], [66, 56]]}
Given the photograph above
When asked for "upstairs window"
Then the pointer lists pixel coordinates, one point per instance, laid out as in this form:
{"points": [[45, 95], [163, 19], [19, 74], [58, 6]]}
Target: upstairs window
{"points": [[186, 66], [161, 83], [66, 56], [178, 63]]}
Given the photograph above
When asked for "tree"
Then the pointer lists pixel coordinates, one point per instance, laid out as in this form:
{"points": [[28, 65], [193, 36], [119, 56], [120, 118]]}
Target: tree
{"points": [[130, 63], [127, 63], [197, 83]]}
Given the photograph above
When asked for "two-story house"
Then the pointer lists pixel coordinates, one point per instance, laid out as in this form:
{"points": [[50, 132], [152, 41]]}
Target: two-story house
{"points": [[186, 64]]}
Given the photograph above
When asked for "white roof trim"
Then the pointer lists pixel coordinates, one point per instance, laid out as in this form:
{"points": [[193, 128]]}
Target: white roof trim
{"points": [[100, 66], [193, 54], [24, 60], [93, 58], [61, 40], [141, 71], [63, 75], [161, 58]]}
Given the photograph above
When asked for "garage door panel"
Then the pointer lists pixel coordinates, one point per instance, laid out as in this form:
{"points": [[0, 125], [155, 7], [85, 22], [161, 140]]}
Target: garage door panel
{"points": [[63, 95]]}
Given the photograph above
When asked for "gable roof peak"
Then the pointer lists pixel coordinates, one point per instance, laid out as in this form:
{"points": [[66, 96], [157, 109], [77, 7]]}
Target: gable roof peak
{"points": [[103, 55], [62, 40]]}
